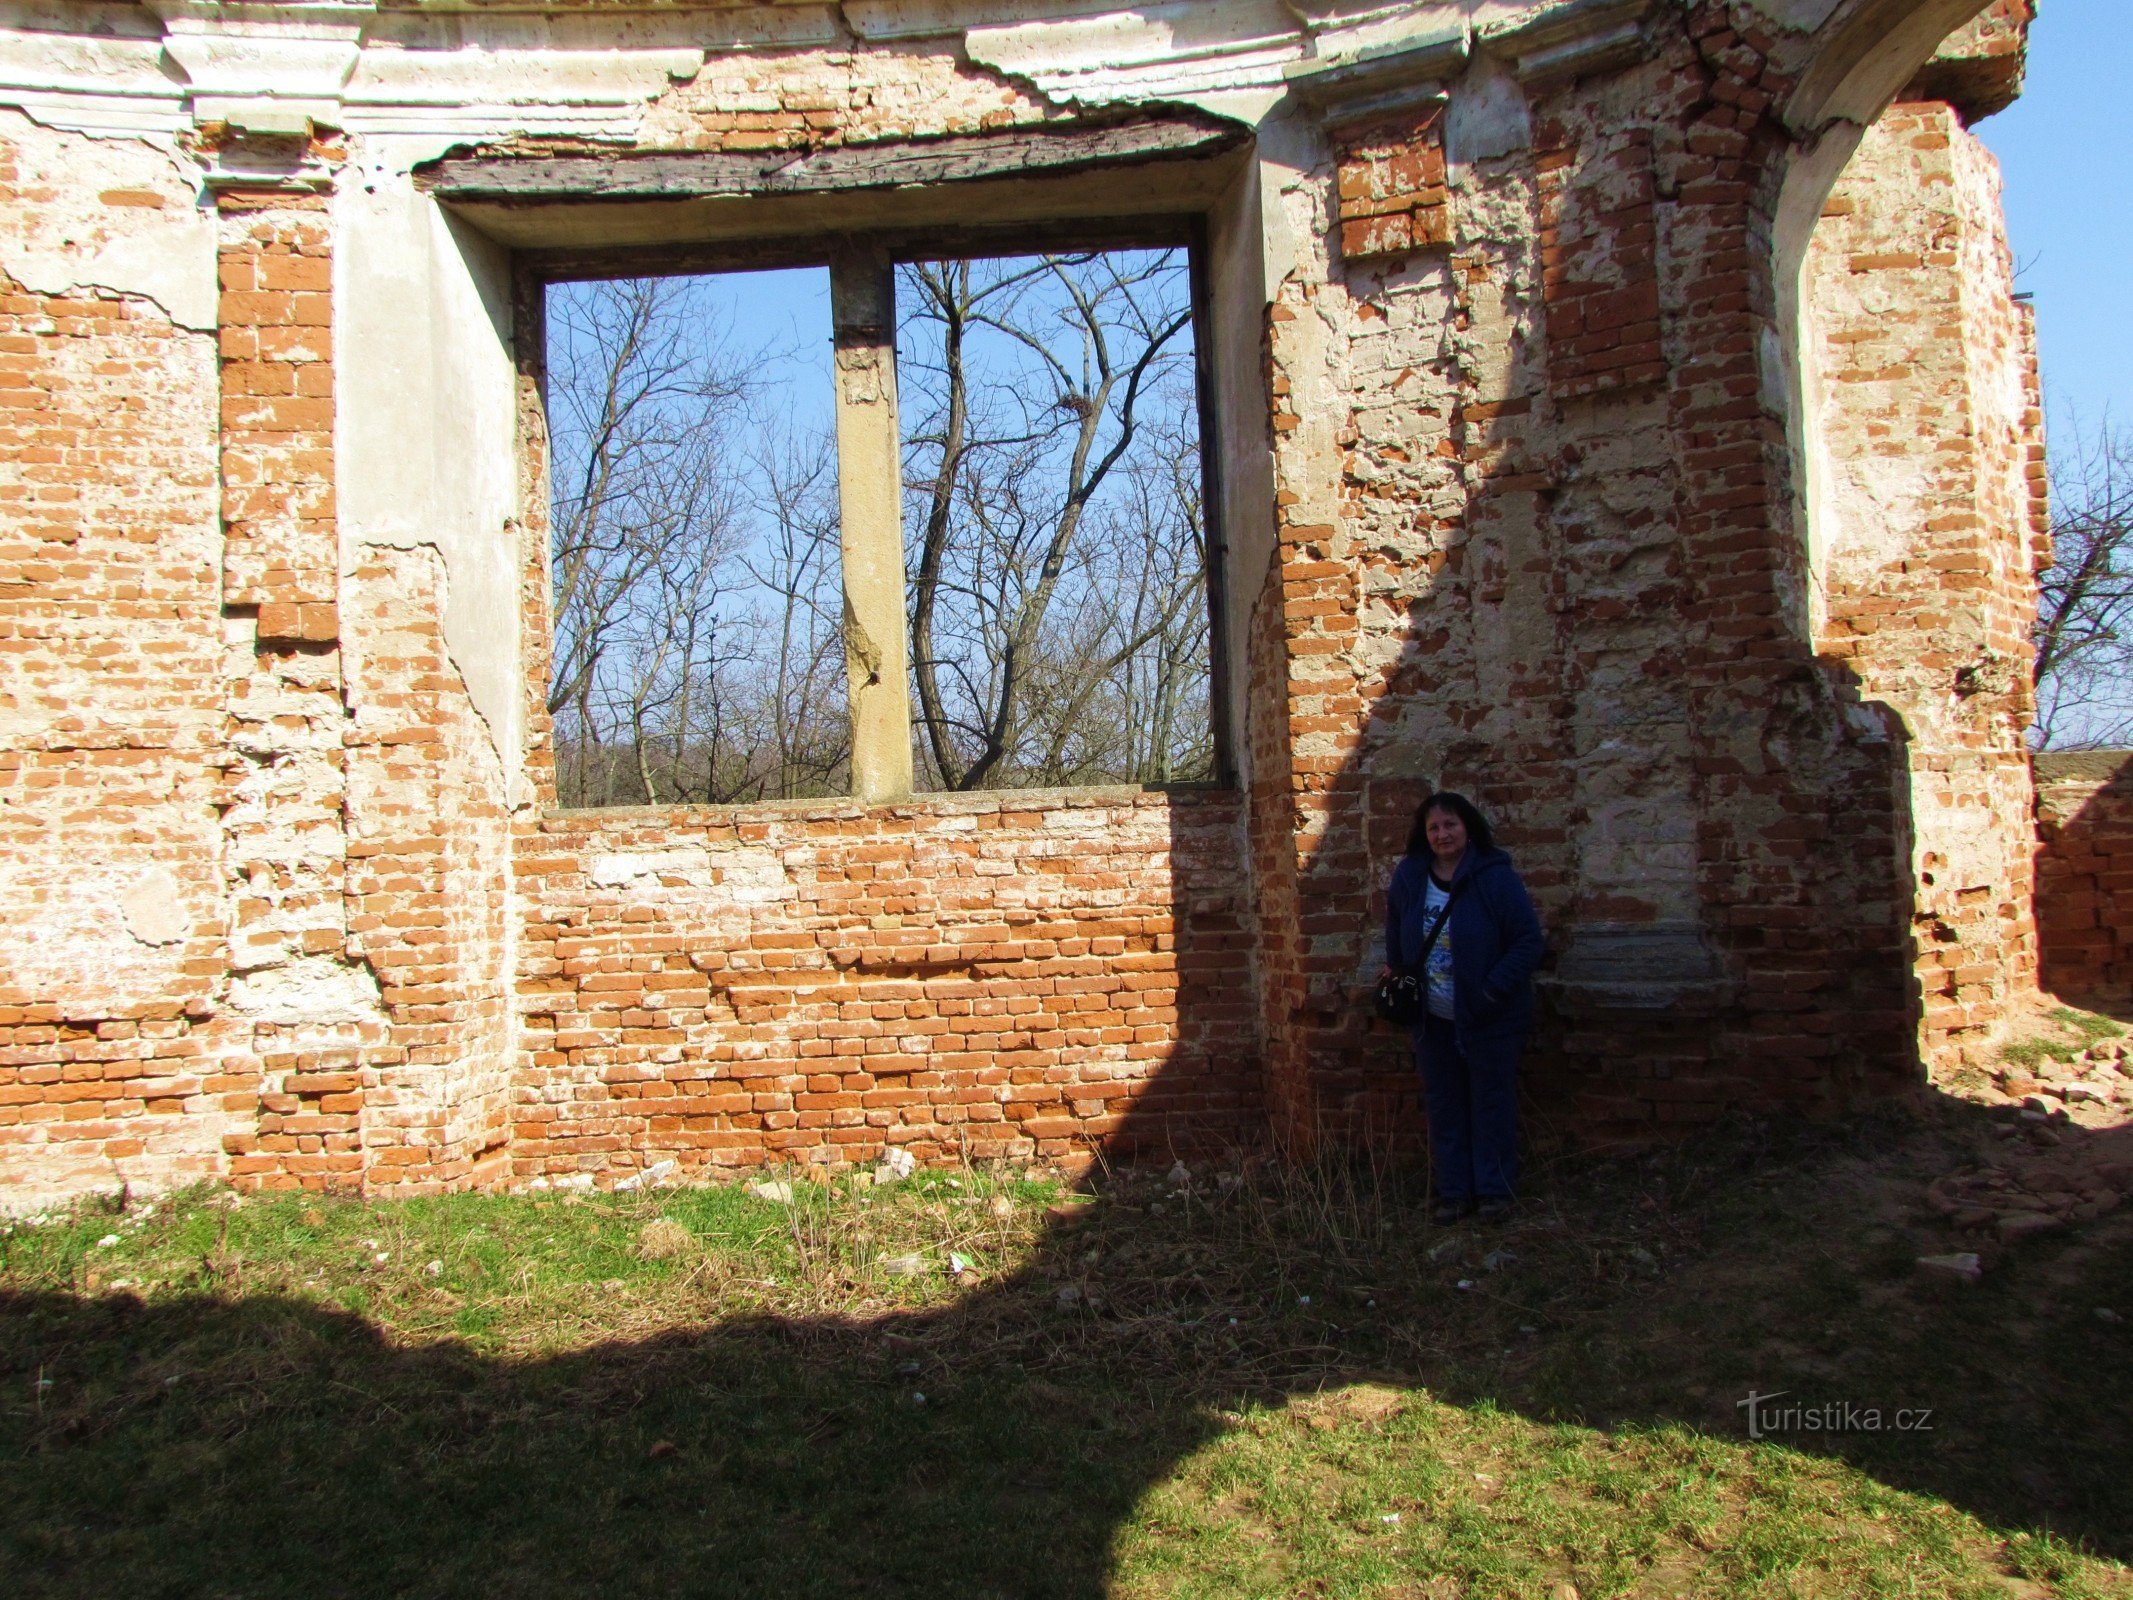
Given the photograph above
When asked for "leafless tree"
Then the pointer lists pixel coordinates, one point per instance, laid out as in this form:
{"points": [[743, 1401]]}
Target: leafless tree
{"points": [[2085, 600], [694, 536], [794, 737], [1058, 593], [1057, 598]]}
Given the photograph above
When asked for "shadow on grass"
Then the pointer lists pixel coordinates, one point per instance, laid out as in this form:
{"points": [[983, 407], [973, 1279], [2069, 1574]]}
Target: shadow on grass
{"points": [[201, 1444]]}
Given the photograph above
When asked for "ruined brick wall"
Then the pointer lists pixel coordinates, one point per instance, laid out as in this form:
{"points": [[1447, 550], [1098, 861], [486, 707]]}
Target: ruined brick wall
{"points": [[282, 900], [112, 721], [1009, 976], [2085, 874], [1536, 548], [245, 822], [1930, 517]]}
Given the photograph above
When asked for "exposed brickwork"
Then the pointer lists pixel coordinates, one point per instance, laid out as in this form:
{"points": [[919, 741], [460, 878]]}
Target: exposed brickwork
{"points": [[312, 1015], [280, 907], [2085, 874], [1599, 262], [111, 939], [1391, 193], [1532, 551], [1979, 69], [818, 100], [1002, 977], [1932, 517], [429, 906]]}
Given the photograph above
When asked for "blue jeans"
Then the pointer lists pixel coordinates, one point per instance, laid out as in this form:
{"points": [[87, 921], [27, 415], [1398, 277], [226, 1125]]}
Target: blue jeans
{"points": [[1472, 1097]]}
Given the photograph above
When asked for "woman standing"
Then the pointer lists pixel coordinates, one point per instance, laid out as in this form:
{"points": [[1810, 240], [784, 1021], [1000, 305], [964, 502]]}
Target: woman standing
{"points": [[1478, 976]]}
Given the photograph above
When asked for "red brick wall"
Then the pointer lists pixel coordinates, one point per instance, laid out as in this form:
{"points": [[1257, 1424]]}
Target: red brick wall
{"points": [[111, 926], [1931, 526], [273, 912], [1003, 976], [2085, 874], [306, 1019], [1537, 544], [1599, 259], [1390, 192]]}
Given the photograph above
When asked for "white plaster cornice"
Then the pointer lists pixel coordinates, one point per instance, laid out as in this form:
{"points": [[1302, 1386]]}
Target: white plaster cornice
{"points": [[271, 69], [276, 71], [1362, 84], [1224, 55], [1580, 37]]}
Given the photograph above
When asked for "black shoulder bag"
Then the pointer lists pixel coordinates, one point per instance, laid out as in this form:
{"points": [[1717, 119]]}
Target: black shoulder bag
{"points": [[1402, 998]]}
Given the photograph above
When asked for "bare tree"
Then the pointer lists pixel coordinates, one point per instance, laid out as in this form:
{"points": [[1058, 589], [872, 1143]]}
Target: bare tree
{"points": [[796, 727], [2085, 599], [1058, 595], [1053, 550], [694, 540]]}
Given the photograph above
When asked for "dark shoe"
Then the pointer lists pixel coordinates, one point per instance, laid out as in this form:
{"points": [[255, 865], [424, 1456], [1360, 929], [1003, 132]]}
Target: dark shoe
{"points": [[1446, 1212], [1493, 1209]]}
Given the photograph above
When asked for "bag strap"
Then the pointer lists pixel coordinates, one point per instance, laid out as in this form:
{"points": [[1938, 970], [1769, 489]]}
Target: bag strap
{"points": [[1429, 939]]}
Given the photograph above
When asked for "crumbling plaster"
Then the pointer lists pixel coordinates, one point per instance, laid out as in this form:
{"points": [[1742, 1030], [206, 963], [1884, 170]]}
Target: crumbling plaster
{"points": [[120, 215], [1461, 548]]}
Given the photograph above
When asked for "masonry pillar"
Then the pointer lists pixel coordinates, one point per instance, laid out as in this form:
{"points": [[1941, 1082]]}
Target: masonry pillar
{"points": [[311, 1013], [870, 489], [1930, 520]]}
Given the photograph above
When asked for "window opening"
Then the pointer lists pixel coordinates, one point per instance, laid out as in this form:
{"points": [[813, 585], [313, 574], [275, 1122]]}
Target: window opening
{"points": [[695, 580], [1054, 521], [874, 527]]}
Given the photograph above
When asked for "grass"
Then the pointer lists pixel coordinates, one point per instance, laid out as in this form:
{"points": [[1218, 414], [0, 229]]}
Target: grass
{"points": [[1274, 1382]]}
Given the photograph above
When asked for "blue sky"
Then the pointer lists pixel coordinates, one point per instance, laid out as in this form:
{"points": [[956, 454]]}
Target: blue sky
{"points": [[2065, 149]]}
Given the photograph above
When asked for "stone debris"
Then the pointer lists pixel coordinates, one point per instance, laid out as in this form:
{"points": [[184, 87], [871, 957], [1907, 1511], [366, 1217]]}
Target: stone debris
{"points": [[2021, 1224], [896, 1162], [659, 1172], [777, 1191], [2039, 1183]]}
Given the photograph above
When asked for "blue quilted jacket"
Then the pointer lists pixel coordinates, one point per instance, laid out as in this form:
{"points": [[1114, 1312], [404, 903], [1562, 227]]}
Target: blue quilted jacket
{"points": [[1496, 939]]}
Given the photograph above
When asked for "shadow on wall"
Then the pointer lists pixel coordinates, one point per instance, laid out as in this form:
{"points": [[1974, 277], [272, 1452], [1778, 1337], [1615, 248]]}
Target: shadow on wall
{"points": [[1076, 1410], [2085, 874], [1624, 737]]}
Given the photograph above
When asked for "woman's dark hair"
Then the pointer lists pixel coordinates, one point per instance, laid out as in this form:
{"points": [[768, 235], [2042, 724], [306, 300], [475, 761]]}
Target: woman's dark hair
{"points": [[1479, 835]]}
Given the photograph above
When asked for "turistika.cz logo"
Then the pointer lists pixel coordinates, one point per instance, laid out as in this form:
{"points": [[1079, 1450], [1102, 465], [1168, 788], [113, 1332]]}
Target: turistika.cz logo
{"points": [[1766, 1417]]}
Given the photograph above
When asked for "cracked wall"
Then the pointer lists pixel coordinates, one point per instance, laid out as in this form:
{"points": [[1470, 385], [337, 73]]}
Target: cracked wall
{"points": [[1932, 526], [1504, 355], [113, 746]]}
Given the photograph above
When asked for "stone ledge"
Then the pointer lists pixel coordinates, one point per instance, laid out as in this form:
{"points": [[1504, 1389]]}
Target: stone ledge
{"points": [[1656, 967]]}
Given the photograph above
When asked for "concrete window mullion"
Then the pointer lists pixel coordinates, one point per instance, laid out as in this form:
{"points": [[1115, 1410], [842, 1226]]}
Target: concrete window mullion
{"points": [[870, 497]]}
